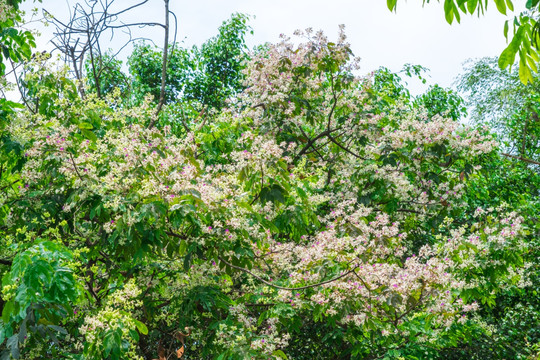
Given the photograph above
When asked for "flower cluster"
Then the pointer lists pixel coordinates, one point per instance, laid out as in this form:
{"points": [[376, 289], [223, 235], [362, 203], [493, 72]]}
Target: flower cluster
{"points": [[115, 317]]}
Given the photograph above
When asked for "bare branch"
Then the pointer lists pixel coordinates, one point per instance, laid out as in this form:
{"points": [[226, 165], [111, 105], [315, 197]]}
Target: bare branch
{"points": [[130, 8], [139, 24], [164, 66], [81, 34]]}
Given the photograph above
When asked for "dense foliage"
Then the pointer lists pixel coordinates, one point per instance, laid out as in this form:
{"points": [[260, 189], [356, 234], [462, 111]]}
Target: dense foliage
{"points": [[207, 75], [281, 207]]}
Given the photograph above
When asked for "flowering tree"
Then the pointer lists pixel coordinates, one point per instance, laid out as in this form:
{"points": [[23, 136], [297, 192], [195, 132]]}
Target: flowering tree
{"points": [[307, 219]]}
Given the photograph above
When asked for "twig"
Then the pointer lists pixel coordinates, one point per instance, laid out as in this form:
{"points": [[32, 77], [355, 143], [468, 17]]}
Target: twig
{"points": [[75, 166], [8, 185]]}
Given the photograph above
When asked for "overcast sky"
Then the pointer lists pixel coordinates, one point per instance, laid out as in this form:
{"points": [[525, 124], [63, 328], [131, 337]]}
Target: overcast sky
{"points": [[414, 34]]}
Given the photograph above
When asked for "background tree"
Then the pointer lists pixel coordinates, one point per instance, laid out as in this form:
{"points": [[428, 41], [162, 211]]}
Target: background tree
{"points": [[443, 102], [15, 44], [497, 98], [15, 47], [80, 38], [109, 74], [207, 75]]}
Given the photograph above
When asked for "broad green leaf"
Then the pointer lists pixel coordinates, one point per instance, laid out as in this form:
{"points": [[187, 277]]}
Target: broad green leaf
{"points": [[134, 334], [471, 5], [456, 12], [59, 329], [531, 63], [524, 72], [112, 341], [508, 56], [141, 327], [12, 343], [534, 55], [274, 193], [501, 6], [89, 134]]}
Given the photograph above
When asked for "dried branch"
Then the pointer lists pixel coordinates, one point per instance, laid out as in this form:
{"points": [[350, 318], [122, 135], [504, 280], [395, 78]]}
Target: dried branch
{"points": [[164, 66], [81, 34]]}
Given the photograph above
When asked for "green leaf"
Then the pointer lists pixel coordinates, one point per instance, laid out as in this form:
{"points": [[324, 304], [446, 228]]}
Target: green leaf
{"points": [[134, 335], [141, 327], [89, 134], [510, 5], [264, 315], [449, 10], [274, 193], [532, 64], [6, 312], [13, 344], [524, 72], [85, 125], [535, 58], [461, 5], [501, 6], [59, 329], [111, 342], [182, 248], [507, 57], [280, 354], [471, 6], [391, 4], [456, 12]]}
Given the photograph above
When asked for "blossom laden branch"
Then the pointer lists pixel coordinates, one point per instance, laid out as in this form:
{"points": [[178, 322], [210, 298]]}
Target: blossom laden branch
{"points": [[247, 271]]}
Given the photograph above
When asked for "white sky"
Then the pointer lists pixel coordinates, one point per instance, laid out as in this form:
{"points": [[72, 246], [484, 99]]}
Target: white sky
{"points": [[414, 34]]}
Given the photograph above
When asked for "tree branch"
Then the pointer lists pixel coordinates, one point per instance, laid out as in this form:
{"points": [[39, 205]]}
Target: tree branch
{"points": [[283, 287], [522, 159], [164, 66], [312, 141], [6, 262]]}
